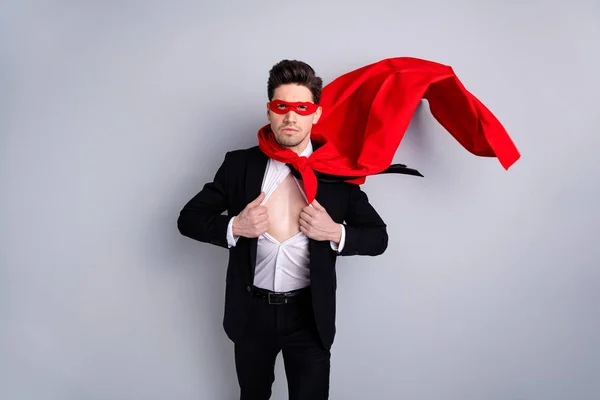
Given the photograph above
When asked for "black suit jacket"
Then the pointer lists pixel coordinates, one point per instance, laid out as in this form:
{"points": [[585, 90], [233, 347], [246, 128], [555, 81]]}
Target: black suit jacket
{"points": [[237, 182]]}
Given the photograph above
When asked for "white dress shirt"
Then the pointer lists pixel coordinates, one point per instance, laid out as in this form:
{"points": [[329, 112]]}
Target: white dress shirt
{"points": [[282, 267]]}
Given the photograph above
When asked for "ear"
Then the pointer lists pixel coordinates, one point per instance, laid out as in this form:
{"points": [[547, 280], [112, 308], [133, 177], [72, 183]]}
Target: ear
{"points": [[268, 113], [317, 115]]}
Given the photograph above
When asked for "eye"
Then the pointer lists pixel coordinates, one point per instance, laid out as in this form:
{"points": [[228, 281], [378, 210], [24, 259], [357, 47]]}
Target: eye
{"points": [[302, 108], [282, 106]]}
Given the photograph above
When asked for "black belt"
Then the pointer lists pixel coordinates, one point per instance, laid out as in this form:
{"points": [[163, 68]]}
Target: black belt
{"points": [[279, 297]]}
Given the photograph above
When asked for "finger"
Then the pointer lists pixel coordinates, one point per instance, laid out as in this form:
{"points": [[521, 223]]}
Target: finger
{"points": [[257, 200], [257, 221], [305, 217], [263, 226], [308, 232], [259, 226], [260, 210], [256, 214], [310, 211], [304, 223], [259, 217], [317, 205]]}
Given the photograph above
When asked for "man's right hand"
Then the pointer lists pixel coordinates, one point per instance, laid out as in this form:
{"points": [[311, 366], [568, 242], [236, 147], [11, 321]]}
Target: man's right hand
{"points": [[253, 221]]}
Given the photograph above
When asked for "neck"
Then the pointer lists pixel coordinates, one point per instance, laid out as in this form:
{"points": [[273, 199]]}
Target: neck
{"points": [[301, 147]]}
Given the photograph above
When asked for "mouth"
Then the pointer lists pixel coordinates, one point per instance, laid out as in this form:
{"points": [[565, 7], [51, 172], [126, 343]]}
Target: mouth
{"points": [[289, 130]]}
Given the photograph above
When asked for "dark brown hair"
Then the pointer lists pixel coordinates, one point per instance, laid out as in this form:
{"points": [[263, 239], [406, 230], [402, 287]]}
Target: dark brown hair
{"points": [[298, 72]]}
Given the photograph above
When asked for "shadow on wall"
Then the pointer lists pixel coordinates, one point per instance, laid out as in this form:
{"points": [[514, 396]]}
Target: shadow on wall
{"points": [[427, 147]]}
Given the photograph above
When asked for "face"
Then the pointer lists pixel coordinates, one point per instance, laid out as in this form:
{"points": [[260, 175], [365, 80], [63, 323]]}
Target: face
{"points": [[290, 127]]}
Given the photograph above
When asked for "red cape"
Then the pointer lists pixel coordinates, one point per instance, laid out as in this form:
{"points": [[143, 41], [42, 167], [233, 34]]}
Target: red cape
{"points": [[367, 111]]}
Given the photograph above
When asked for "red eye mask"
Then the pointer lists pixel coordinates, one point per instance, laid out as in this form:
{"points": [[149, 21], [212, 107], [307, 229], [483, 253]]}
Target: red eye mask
{"points": [[283, 107]]}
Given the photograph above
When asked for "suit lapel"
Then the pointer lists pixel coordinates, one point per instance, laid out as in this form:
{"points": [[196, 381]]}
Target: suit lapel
{"points": [[256, 167], [313, 244]]}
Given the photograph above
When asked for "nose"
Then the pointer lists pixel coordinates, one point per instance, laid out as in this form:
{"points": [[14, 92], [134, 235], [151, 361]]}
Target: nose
{"points": [[290, 117]]}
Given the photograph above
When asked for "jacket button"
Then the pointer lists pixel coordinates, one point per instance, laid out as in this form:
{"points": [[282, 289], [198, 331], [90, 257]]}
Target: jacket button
{"points": [[249, 288]]}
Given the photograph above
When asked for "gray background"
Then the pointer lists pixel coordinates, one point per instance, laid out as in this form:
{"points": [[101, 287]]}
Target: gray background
{"points": [[114, 114]]}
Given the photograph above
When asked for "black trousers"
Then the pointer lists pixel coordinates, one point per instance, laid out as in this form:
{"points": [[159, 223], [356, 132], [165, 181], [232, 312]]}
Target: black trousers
{"points": [[291, 329]]}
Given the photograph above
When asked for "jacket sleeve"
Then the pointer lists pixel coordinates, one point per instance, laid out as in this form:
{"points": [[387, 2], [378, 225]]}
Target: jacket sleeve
{"points": [[366, 232], [201, 218]]}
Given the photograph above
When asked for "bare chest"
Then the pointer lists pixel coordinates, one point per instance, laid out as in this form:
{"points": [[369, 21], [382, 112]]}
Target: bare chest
{"points": [[284, 207]]}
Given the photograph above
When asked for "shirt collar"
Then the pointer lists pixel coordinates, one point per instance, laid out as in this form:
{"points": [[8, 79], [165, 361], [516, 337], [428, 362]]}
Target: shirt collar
{"points": [[308, 150]]}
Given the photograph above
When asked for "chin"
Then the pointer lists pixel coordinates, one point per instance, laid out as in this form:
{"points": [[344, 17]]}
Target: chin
{"points": [[287, 141]]}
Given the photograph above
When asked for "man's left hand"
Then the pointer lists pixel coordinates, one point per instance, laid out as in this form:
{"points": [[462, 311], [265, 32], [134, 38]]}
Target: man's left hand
{"points": [[316, 223]]}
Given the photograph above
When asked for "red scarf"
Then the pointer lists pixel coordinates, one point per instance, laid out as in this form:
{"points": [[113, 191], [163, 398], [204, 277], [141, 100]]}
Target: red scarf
{"points": [[367, 111]]}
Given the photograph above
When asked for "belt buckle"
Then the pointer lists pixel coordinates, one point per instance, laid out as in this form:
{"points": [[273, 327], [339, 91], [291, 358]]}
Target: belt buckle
{"points": [[275, 300]]}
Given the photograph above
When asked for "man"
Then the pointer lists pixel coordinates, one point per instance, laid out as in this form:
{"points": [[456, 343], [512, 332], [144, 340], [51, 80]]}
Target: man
{"points": [[281, 277]]}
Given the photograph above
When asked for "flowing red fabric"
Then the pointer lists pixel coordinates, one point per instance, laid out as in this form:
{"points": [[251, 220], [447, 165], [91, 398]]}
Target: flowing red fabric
{"points": [[367, 111]]}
